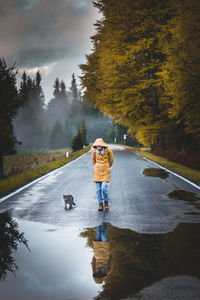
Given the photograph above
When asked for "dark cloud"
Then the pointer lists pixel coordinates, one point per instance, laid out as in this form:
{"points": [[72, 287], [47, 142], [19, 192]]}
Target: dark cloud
{"points": [[36, 32], [29, 58], [50, 35]]}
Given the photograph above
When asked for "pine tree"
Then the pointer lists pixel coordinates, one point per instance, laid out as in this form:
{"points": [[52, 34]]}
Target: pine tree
{"points": [[56, 87], [74, 88], [63, 93], [83, 130], [23, 88], [77, 143], [9, 103], [29, 124], [76, 106], [58, 108]]}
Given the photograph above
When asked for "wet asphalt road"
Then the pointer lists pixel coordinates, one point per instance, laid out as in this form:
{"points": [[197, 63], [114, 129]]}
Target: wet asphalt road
{"points": [[137, 202], [154, 229]]}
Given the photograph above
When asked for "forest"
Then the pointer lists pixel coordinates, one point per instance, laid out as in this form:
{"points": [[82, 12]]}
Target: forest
{"points": [[144, 72], [141, 79], [29, 124]]}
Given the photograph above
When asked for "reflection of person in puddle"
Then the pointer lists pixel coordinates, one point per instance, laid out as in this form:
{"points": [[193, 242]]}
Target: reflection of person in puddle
{"points": [[101, 262]]}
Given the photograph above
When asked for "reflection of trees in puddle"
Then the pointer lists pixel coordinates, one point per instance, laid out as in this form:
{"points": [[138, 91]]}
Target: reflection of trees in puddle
{"points": [[186, 196], [9, 237], [153, 172], [139, 260]]}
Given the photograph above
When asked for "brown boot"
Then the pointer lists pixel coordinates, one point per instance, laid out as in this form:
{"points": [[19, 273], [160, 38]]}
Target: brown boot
{"points": [[100, 207], [106, 205]]}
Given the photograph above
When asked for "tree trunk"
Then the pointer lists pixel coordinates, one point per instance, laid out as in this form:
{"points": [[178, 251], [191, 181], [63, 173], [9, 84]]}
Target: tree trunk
{"points": [[1, 164]]}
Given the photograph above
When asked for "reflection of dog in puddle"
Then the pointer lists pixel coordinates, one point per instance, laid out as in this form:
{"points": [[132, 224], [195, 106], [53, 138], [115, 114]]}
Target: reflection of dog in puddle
{"points": [[69, 201]]}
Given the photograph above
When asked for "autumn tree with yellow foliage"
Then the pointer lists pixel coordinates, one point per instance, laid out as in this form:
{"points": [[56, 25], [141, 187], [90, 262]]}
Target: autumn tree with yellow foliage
{"points": [[144, 70], [181, 70]]}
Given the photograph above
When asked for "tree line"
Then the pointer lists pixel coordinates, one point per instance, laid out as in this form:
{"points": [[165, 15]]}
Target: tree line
{"points": [[55, 125], [144, 72], [28, 124]]}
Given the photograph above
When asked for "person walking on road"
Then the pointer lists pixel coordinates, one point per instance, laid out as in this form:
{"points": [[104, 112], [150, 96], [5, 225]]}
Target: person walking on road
{"points": [[102, 158]]}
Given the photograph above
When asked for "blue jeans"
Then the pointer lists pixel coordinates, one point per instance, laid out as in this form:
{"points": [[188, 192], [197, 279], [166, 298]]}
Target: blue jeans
{"points": [[102, 188], [101, 232]]}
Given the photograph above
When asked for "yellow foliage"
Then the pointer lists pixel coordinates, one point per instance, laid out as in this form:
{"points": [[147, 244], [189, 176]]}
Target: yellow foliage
{"points": [[144, 69]]}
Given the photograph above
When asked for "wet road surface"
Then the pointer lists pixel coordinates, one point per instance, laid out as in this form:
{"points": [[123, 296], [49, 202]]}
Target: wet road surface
{"points": [[153, 230]]}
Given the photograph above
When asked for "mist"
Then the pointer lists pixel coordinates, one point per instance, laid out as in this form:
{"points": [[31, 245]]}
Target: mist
{"points": [[39, 126]]}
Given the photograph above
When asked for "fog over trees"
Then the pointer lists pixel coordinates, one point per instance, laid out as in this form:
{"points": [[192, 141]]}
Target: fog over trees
{"points": [[54, 126], [29, 124]]}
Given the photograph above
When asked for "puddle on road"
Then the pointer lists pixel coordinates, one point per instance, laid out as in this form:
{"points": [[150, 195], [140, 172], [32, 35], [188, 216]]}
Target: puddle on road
{"points": [[154, 172], [104, 262], [184, 195], [188, 197]]}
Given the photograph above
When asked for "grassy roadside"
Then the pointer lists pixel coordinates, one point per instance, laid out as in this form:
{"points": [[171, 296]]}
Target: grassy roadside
{"points": [[186, 172], [18, 163], [12, 182]]}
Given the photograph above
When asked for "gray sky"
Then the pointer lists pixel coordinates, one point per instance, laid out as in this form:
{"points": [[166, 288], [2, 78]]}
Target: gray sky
{"points": [[50, 35]]}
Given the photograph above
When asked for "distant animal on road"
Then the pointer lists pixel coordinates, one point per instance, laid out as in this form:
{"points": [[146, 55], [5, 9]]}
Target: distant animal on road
{"points": [[69, 201]]}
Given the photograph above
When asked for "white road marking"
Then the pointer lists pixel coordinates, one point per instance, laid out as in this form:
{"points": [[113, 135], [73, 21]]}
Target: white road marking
{"points": [[38, 179], [183, 178], [44, 176]]}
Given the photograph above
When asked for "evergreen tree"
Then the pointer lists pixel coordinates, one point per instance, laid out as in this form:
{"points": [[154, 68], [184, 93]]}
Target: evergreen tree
{"points": [[83, 130], [56, 87], [9, 102], [58, 107], [76, 102], [29, 124], [23, 88], [77, 142], [74, 88], [63, 93]]}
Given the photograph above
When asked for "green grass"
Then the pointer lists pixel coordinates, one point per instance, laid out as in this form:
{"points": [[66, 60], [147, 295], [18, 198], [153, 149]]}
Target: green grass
{"points": [[18, 163], [186, 172], [12, 182]]}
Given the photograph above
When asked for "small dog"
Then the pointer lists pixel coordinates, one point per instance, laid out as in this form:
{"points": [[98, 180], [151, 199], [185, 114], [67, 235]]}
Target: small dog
{"points": [[68, 199]]}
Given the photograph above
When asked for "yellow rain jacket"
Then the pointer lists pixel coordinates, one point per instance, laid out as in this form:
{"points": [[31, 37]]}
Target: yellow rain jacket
{"points": [[102, 163]]}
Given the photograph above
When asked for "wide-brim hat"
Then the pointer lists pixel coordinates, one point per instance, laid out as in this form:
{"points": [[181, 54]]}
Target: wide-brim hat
{"points": [[100, 143]]}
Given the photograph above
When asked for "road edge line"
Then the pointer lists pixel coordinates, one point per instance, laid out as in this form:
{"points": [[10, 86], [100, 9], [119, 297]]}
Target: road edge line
{"points": [[38, 179], [181, 177]]}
